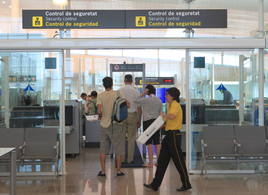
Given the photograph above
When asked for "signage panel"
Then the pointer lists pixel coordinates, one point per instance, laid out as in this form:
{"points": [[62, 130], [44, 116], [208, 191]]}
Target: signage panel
{"points": [[124, 19], [155, 81], [127, 67], [177, 18], [73, 19]]}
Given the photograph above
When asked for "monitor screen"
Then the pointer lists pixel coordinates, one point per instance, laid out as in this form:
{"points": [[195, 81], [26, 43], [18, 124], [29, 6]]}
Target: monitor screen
{"points": [[199, 62], [50, 63]]}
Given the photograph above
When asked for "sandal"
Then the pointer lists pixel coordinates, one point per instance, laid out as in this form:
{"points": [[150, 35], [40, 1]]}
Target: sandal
{"points": [[101, 174], [120, 174]]}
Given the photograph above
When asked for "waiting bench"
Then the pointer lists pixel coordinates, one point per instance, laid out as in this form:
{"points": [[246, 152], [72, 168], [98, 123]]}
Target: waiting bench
{"points": [[233, 142], [34, 144], [12, 137], [251, 141]]}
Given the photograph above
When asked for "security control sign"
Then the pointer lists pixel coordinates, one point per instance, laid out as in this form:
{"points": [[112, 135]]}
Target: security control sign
{"points": [[176, 19], [72, 19], [124, 19]]}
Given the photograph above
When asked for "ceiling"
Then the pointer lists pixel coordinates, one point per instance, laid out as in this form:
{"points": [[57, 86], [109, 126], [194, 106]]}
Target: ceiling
{"points": [[147, 4], [242, 14]]}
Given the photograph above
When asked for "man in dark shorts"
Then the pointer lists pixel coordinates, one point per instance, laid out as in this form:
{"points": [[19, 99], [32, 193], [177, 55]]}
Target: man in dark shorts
{"points": [[151, 109]]}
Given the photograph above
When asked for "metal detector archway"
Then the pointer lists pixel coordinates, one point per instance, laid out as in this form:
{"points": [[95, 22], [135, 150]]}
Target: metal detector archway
{"points": [[128, 68], [138, 161]]}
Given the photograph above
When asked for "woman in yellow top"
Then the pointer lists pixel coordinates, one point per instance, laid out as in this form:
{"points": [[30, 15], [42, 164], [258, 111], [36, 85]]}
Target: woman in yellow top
{"points": [[171, 144]]}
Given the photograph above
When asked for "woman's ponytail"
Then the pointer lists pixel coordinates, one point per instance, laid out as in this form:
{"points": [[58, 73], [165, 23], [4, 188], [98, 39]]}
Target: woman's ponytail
{"points": [[178, 99]]}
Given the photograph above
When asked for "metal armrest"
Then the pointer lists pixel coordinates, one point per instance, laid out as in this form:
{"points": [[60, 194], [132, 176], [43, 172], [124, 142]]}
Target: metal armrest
{"points": [[56, 147], [203, 143], [203, 146], [237, 144], [22, 148]]}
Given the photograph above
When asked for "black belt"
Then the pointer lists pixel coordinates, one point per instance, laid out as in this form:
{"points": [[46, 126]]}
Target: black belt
{"points": [[171, 131]]}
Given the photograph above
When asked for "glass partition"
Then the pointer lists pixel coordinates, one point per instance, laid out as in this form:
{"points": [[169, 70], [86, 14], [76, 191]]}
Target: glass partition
{"points": [[89, 67], [224, 95], [30, 93], [94, 65], [265, 86]]}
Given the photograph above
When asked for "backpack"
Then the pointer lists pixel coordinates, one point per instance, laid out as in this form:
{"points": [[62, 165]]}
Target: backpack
{"points": [[120, 110]]}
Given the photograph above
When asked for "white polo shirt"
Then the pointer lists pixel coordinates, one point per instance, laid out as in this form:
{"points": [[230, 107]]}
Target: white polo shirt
{"points": [[130, 94]]}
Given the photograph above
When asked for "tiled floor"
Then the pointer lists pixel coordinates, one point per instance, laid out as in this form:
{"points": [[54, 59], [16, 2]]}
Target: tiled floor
{"points": [[81, 179]]}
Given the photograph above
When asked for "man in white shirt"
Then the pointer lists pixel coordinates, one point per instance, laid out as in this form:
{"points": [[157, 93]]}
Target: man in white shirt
{"points": [[133, 121]]}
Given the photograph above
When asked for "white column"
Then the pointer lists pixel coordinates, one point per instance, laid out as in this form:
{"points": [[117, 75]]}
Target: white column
{"points": [[261, 86], [62, 101], [62, 114], [212, 78], [158, 63], [79, 77], [183, 77], [261, 65], [15, 10], [241, 89], [107, 66], [261, 17], [5, 77], [188, 112]]}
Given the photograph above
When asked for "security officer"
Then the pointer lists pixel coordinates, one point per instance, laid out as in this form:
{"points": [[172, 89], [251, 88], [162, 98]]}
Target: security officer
{"points": [[227, 96], [171, 144]]}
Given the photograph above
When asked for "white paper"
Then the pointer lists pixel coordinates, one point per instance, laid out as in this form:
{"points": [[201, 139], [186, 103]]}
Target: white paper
{"points": [[92, 117], [149, 132]]}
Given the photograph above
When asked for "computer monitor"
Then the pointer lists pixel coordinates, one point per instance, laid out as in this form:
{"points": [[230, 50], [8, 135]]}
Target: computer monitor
{"points": [[199, 62]]}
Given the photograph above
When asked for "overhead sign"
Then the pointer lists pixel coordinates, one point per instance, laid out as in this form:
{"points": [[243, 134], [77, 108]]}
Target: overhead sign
{"points": [[72, 19], [127, 67], [121, 19], [177, 18], [155, 81]]}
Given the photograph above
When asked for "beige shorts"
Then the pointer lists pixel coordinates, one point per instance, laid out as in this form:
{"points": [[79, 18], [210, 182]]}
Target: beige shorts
{"points": [[112, 136]]}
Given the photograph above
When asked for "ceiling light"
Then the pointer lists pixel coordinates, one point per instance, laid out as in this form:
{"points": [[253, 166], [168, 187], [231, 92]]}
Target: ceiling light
{"points": [[4, 2], [60, 2]]}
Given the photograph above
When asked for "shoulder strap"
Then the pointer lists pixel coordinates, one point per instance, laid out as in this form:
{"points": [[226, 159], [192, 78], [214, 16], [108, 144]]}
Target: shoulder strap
{"points": [[117, 94], [113, 112]]}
